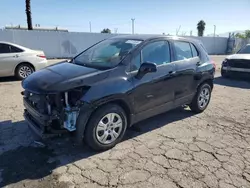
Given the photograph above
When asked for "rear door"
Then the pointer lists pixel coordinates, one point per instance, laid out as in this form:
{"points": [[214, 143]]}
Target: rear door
{"points": [[9, 58], [186, 62]]}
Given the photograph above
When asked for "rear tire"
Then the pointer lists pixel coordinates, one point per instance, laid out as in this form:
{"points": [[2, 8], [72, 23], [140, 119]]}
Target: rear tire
{"points": [[106, 127], [23, 71], [201, 98]]}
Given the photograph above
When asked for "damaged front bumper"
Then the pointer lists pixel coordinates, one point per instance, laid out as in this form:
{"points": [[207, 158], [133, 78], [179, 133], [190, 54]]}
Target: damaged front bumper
{"points": [[40, 123], [56, 122]]}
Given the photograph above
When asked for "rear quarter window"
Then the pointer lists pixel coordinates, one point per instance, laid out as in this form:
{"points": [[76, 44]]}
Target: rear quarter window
{"points": [[203, 47], [205, 56], [194, 50], [15, 49]]}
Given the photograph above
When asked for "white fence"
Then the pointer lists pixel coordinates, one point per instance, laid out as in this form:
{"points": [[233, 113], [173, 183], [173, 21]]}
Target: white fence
{"points": [[57, 44]]}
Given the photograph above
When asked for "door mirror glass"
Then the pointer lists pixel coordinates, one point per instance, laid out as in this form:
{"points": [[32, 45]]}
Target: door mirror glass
{"points": [[146, 67]]}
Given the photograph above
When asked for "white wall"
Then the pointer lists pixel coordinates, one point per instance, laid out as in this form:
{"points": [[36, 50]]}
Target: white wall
{"points": [[214, 45], [57, 44]]}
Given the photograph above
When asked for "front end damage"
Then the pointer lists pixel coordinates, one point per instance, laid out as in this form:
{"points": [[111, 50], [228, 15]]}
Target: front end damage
{"points": [[53, 114]]}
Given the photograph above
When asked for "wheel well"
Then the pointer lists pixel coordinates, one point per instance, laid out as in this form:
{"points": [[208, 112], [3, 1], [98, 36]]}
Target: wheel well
{"points": [[120, 103], [208, 81], [25, 63]]}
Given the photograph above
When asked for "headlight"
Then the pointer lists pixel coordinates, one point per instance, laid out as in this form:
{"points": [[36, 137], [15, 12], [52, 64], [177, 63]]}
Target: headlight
{"points": [[75, 94], [224, 63]]}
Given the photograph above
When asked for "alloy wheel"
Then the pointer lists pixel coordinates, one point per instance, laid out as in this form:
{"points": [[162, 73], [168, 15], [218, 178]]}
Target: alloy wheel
{"points": [[25, 71], [109, 128], [203, 98]]}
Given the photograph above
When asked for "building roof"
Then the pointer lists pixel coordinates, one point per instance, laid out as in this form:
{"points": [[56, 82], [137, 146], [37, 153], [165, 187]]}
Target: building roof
{"points": [[36, 28]]}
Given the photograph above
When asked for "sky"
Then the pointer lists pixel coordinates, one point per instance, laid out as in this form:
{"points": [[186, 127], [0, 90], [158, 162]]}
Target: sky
{"points": [[151, 16]]}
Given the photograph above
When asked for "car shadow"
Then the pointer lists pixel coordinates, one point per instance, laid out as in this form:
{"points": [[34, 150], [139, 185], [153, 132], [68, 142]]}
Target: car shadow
{"points": [[23, 158], [236, 81], [8, 79]]}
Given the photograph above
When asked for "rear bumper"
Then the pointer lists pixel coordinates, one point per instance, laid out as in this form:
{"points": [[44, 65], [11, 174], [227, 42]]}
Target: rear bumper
{"points": [[40, 65]]}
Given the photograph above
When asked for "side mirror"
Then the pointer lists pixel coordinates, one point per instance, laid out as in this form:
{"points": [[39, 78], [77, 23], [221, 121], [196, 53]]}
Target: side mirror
{"points": [[145, 68]]}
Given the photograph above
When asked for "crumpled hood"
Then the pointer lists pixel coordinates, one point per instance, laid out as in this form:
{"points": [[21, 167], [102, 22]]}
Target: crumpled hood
{"points": [[62, 77], [239, 56]]}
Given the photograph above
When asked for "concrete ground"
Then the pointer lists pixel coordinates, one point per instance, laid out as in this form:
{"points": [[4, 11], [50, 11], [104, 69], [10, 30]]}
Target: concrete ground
{"points": [[177, 149]]}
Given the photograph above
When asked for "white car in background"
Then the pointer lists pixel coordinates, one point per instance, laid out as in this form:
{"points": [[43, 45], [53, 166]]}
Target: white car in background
{"points": [[19, 61], [237, 64]]}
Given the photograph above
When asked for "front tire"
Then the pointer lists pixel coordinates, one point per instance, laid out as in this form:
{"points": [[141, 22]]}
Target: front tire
{"points": [[224, 73], [106, 127], [201, 98], [23, 71]]}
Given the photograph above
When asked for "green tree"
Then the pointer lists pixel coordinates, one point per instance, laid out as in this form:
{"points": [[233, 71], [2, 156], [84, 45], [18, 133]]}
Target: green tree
{"points": [[239, 35], [201, 28], [107, 30], [28, 14], [244, 35], [247, 33]]}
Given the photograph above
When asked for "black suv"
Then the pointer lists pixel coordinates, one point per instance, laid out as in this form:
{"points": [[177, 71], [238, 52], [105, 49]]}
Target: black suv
{"points": [[116, 83]]}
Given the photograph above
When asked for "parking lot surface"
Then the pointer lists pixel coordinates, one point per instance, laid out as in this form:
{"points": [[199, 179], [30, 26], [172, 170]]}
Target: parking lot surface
{"points": [[177, 149]]}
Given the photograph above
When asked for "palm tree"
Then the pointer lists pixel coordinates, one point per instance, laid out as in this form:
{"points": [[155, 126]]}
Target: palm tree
{"points": [[28, 13], [201, 28]]}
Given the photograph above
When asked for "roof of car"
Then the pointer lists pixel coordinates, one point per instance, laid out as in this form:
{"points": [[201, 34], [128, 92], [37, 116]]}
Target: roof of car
{"points": [[16, 45], [150, 37]]}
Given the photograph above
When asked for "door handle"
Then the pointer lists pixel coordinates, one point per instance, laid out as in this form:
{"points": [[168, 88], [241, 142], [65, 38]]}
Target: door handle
{"points": [[16, 56], [172, 72], [198, 63]]}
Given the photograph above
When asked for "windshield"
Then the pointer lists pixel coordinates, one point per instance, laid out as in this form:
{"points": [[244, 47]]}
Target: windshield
{"points": [[107, 53], [245, 50]]}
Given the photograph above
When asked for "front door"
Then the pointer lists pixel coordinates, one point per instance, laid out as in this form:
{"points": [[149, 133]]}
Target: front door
{"points": [[154, 92]]}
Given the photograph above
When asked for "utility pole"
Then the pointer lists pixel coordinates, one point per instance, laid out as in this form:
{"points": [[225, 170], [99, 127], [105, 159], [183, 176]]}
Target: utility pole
{"points": [[90, 27], [191, 33], [214, 40], [214, 30], [133, 28]]}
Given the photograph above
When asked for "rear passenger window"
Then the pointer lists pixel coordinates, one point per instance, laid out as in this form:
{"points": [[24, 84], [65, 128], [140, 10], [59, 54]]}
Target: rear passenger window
{"points": [[194, 50], [4, 48], [183, 50]]}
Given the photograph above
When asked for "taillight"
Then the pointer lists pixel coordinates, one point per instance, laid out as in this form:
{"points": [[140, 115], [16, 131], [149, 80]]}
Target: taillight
{"points": [[213, 62], [41, 56]]}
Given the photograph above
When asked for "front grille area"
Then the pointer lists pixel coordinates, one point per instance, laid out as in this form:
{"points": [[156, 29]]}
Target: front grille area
{"points": [[239, 63], [38, 102]]}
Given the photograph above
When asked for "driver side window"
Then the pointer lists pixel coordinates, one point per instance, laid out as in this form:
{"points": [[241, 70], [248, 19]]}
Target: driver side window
{"points": [[156, 52], [136, 62]]}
